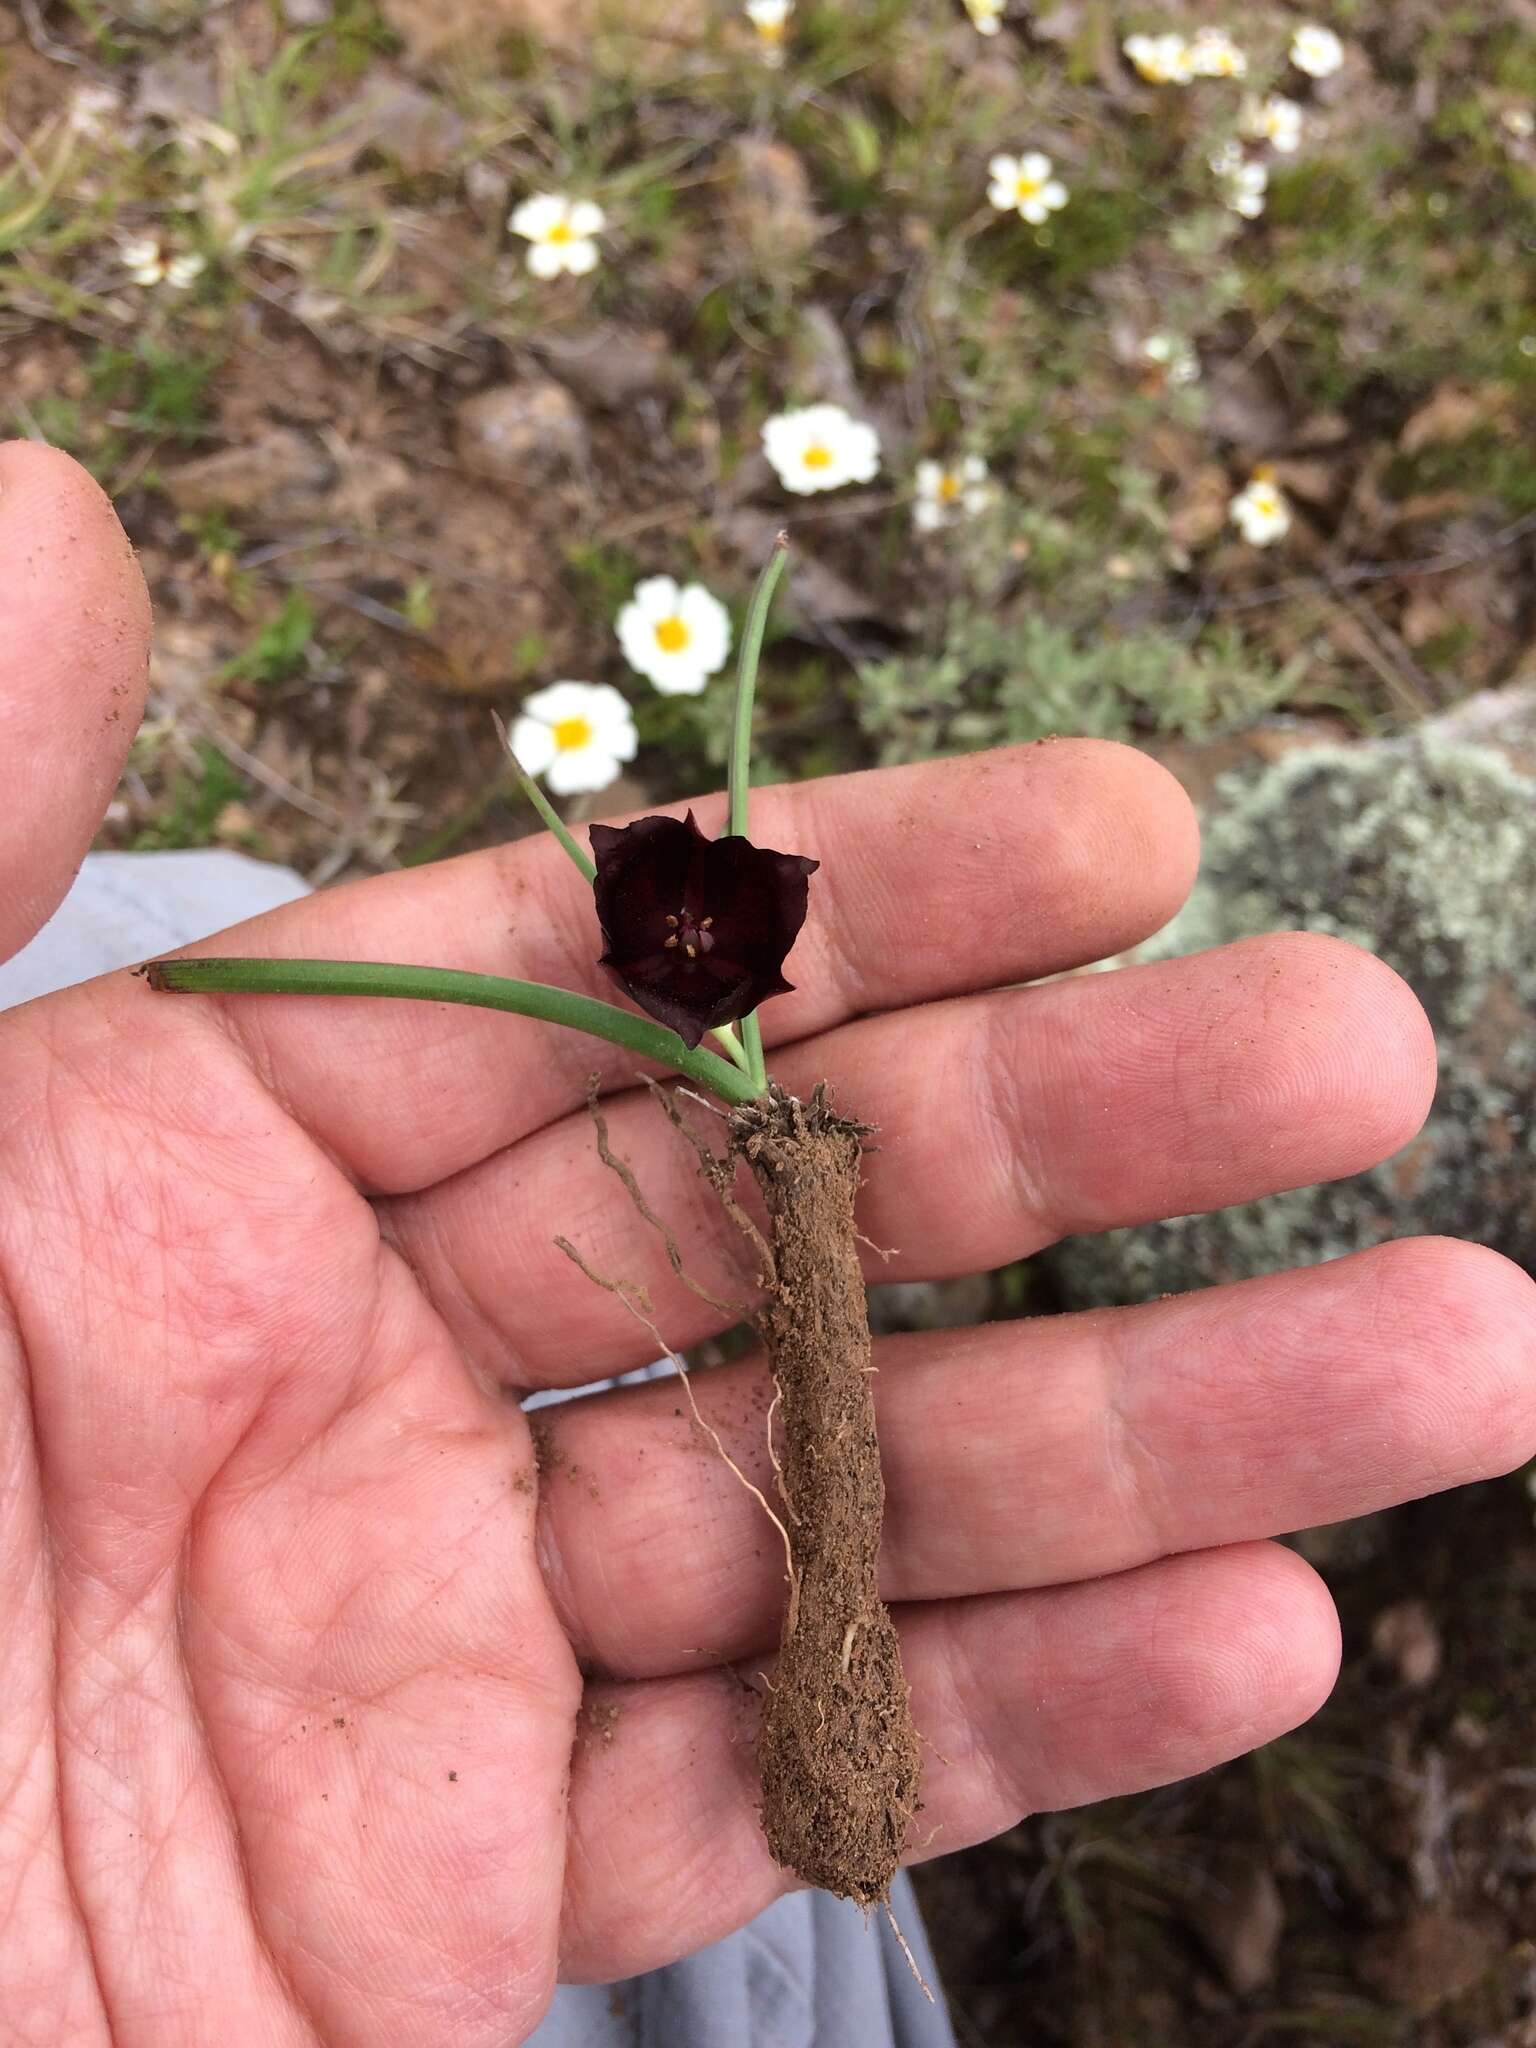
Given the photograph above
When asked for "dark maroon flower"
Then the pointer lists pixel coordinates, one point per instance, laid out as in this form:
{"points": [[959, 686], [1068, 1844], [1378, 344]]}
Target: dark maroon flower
{"points": [[695, 929]]}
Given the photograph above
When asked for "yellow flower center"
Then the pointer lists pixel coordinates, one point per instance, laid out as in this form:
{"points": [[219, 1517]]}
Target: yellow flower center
{"points": [[949, 487], [672, 635], [818, 456], [571, 733], [560, 232], [1029, 188], [771, 31]]}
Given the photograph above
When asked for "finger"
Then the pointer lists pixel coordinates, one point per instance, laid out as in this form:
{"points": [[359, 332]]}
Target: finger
{"points": [[1036, 1453], [1004, 1122], [74, 645], [1026, 1702], [935, 879]]}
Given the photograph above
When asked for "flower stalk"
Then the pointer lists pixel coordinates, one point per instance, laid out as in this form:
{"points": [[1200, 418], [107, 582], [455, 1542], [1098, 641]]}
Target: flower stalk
{"points": [[740, 770]]}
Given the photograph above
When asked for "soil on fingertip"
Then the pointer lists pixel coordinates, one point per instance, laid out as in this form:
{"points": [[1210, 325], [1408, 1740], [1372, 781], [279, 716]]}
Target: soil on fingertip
{"points": [[837, 1750]]}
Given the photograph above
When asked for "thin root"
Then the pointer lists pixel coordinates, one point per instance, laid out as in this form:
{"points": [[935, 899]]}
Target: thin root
{"points": [[637, 1302], [773, 1459], [720, 1173], [736, 1310], [901, 1941]]}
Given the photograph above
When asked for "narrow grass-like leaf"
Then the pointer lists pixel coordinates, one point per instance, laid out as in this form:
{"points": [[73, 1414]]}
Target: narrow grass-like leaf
{"points": [[639, 1035]]}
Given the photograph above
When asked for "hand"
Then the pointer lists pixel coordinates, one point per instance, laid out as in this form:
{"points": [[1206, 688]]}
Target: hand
{"points": [[328, 1718]]}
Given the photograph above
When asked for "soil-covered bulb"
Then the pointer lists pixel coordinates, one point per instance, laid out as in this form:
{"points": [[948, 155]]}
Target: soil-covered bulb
{"points": [[696, 930]]}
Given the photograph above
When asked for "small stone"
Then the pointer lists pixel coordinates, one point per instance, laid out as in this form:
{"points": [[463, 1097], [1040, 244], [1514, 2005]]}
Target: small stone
{"points": [[1431, 1960], [769, 202], [1404, 1635], [529, 432], [280, 474], [415, 128], [607, 365], [1240, 1917]]}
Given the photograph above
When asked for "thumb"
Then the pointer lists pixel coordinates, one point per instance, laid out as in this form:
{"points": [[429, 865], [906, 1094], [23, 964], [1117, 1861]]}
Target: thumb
{"points": [[74, 653]]}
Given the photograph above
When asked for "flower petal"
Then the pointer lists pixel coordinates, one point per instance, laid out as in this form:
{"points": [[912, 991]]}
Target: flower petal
{"points": [[532, 744], [586, 218], [546, 259], [709, 627], [561, 700], [581, 770], [537, 215], [657, 597]]}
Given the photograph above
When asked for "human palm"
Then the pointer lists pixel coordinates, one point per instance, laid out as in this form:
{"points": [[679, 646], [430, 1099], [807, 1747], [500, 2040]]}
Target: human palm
{"points": [[331, 1713]]}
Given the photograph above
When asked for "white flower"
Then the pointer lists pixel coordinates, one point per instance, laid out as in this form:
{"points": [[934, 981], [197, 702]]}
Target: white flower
{"points": [[675, 637], [819, 447], [561, 232], [986, 15], [575, 735], [771, 20], [1260, 512], [147, 264], [1175, 358], [1024, 185], [1161, 60], [1246, 182], [1317, 51], [1213, 54], [93, 110], [942, 490], [1276, 120]]}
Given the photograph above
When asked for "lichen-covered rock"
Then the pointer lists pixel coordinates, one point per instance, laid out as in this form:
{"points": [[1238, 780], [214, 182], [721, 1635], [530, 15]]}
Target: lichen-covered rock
{"points": [[1424, 852]]}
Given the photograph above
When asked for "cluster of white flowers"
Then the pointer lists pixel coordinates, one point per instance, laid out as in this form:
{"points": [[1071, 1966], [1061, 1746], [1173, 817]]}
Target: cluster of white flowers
{"points": [[1244, 180], [1026, 185], [1215, 54], [1317, 51], [1161, 60], [1172, 59], [771, 20], [1259, 510], [95, 111], [944, 492], [148, 262], [1275, 120], [986, 15], [820, 448], [560, 233], [1175, 358]]}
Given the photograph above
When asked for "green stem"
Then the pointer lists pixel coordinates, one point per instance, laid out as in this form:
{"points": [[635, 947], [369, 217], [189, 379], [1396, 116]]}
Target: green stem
{"points": [[638, 1035], [746, 686], [741, 757], [543, 806]]}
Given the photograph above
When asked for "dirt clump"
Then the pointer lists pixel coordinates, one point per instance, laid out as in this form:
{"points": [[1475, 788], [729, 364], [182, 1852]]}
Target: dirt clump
{"points": [[838, 1751]]}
